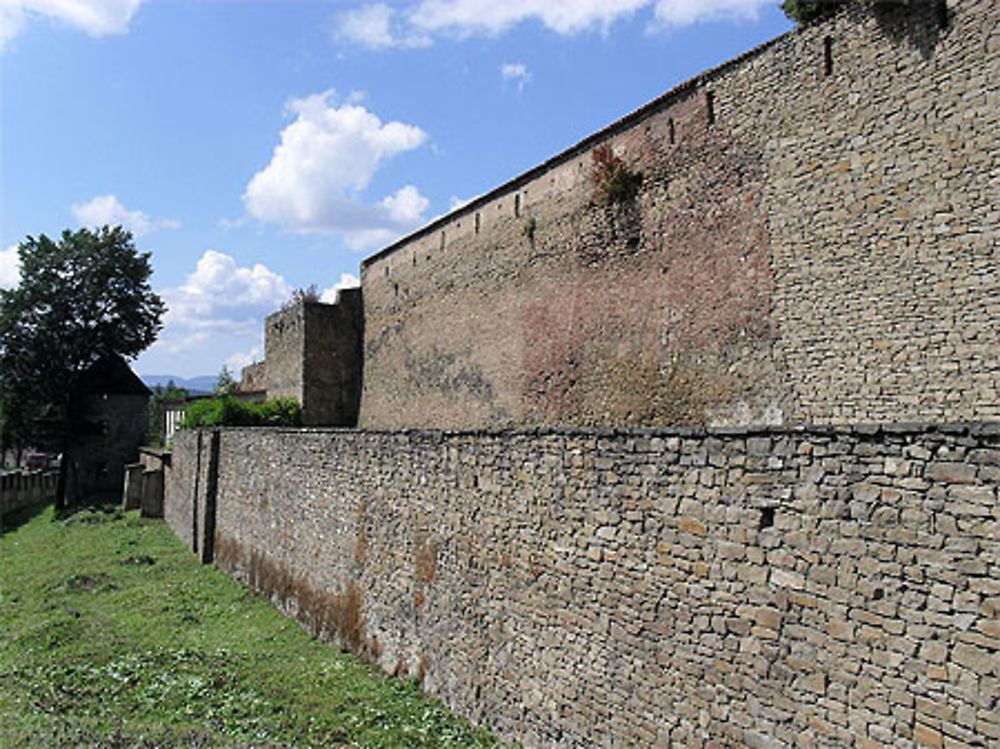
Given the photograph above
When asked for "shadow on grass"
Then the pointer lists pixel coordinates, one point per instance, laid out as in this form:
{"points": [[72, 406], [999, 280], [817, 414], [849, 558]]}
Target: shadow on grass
{"points": [[15, 519], [90, 512]]}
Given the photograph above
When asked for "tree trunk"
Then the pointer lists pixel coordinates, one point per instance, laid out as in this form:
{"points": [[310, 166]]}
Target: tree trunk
{"points": [[66, 442]]}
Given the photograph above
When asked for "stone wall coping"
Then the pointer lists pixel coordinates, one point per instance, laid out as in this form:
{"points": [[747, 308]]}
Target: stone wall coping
{"points": [[159, 452], [863, 430], [164, 456]]}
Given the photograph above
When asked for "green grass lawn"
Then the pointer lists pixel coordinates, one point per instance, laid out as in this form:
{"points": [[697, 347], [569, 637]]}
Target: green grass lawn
{"points": [[112, 635]]}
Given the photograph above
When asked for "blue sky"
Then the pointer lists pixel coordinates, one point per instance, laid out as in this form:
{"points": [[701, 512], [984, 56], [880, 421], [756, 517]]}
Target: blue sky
{"points": [[259, 146]]}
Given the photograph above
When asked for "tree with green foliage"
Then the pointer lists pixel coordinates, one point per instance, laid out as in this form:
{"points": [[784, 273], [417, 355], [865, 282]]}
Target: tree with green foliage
{"points": [[81, 299], [806, 11], [14, 431], [225, 383], [162, 395]]}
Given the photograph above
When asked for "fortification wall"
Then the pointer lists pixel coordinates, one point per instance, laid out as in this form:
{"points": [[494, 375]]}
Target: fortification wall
{"points": [[253, 378], [186, 488], [814, 240], [313, 354], [810, 588], [284, 345]]}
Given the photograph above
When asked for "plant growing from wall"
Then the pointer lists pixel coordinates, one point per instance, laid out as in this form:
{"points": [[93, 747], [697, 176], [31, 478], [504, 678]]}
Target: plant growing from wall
{"points": [[301, 296], [614, 183], [528, 230]]}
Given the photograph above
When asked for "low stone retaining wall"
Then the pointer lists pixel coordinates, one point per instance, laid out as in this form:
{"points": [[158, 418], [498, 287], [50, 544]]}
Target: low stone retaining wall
{"points": [[19, 490], [790, 587], [144, 482]]}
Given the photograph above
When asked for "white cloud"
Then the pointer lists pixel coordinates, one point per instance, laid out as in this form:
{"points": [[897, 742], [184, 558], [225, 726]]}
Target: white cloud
{"points": [[11, 23], [468, 17], [107, 209], [237, 361], [686, 12], [347, 281], [10, 268], [220, 298], [379, 26], [95, 17], [327, 157], [516, 72]]}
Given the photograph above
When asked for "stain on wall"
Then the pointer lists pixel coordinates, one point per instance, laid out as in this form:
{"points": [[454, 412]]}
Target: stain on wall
{"points": [[831, 586], [816, 246]]}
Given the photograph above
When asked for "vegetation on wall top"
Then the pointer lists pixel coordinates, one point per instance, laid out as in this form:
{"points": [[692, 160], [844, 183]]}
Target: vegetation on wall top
{"points": [[301, 296], [806, 11], [231, 412]]}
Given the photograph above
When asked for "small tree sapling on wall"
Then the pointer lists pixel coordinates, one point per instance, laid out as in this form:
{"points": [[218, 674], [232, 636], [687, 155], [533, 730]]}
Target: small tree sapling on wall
{"points": [[81, 299], [613, 181]]}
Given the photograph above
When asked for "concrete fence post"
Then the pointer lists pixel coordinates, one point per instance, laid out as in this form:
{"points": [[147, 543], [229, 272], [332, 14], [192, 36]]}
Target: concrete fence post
{"points": [[132, 491]]}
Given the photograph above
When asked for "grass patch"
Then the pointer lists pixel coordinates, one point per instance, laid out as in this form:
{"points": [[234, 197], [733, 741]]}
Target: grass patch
{"points": [[112, 635]]}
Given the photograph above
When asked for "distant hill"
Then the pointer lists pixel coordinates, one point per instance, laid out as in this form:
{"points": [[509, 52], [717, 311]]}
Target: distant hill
{"points": [[194, 385]]}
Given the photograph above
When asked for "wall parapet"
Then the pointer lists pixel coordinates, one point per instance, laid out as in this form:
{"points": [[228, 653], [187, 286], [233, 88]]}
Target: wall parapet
{"points": [[970, 428], [641, 587]]}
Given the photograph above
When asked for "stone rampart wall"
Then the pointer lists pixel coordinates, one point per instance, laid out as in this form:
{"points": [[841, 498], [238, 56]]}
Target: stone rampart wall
{"points": [[185, 478], [313, 354], [814, 241], [810, 588]]}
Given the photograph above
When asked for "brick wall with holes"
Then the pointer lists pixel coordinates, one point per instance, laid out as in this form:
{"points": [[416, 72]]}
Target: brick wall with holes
{"points": [[823, 587], [813, 239]]}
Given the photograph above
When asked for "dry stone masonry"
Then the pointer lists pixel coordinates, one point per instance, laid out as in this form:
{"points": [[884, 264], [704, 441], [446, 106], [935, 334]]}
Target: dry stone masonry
{"points": [[822, 587]]}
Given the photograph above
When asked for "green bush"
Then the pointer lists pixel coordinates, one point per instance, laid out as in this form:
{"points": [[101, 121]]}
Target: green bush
{"points": [[230, 412], [807, 11]]}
